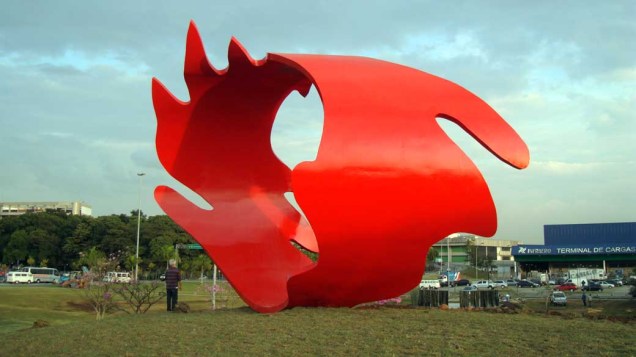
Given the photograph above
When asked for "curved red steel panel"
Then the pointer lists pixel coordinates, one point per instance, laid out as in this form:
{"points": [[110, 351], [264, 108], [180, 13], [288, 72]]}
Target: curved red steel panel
{"points": [[384, 187]]}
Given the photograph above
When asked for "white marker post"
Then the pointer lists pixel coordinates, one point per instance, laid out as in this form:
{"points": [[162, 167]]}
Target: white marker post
{"points": [[214, 288]]}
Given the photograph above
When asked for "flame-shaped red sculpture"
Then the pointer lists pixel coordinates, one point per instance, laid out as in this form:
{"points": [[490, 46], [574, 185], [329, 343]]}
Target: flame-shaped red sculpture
{"points": [[384, 187]]}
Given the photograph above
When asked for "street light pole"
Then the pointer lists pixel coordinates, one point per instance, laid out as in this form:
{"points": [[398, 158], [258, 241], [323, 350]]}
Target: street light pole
{"points": [[140, 174], [475, 260], [448, 259], [476, 252]]}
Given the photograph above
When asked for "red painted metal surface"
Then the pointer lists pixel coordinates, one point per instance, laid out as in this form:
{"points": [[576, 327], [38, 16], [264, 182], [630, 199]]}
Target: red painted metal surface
{"points": [[384, 187]]}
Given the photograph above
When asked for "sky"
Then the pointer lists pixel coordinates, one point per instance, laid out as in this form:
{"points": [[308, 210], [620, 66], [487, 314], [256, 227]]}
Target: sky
{"points": [[77, 122]]}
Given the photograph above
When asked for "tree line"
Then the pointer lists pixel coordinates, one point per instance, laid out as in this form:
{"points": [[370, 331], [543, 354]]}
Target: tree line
{"points": [[57, 240]]}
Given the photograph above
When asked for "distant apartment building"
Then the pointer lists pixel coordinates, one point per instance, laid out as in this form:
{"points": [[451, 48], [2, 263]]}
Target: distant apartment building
{"points": [[75, 208], [457, 250]]}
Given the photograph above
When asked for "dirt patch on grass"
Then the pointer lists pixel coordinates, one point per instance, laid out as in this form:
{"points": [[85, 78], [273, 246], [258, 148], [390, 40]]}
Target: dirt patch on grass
{"points": [[40, 324], [80, 306], [624, 319]]}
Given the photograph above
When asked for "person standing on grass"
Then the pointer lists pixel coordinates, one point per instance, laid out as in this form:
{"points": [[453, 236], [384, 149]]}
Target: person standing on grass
{"points": [[173, 284], [584, 299]]}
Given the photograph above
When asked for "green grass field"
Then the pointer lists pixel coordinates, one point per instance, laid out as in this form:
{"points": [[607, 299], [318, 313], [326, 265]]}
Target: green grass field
{"points": [[238, 331]]}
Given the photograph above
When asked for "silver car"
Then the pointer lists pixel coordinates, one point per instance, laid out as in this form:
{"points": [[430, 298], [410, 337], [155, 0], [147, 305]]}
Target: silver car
{"points": [[558, 298], [606, 285]]}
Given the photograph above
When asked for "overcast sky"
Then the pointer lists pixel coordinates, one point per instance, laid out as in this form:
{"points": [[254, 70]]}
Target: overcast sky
{"points": [[78, 123]]}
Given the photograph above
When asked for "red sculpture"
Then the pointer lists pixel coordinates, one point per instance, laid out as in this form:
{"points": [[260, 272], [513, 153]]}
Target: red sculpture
{"points": [[387, 182]]}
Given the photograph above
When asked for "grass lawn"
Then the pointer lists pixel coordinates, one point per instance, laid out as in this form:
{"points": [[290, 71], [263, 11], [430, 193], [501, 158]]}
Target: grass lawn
{"points": [[21, 306], [238, 331]]}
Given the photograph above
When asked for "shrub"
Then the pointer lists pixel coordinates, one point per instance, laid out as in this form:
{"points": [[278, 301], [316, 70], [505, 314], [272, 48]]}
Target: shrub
{"points": [[139, 297], [100, 296]]}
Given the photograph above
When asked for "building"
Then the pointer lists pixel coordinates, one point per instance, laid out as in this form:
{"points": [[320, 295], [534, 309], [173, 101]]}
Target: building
{"points": [[458, 250], [607, 246], [71, 208]]}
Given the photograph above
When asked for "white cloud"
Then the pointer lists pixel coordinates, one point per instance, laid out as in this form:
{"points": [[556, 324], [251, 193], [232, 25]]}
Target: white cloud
{"points": [[570, 168]]}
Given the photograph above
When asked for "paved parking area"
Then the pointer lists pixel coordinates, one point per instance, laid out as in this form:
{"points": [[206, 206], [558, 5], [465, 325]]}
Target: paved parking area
{"points": [[620, 292]]}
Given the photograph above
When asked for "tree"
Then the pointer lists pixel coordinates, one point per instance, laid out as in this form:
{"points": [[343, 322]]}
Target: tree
{"points": [[140, 296], [116, 236], [94, 259], [486, 262], [166, 253], [131, 262], [79, 240], [160, 248], [201, 263], [433, 253], [46, 246], [471, 250], [17, 248]]}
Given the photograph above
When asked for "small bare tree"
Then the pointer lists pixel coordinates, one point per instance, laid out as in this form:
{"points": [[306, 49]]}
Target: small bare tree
{"points": [[139, 297]]}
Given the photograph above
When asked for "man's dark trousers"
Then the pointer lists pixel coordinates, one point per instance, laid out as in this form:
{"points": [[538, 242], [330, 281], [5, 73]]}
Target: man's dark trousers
{"points": [[172, 297]]}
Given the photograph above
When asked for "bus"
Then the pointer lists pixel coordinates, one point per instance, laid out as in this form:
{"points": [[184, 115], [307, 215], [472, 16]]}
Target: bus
{"points": [[43, 275]]}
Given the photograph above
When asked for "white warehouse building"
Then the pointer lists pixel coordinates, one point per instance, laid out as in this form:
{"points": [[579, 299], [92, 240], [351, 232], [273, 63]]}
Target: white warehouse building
{"points": [[75, 208]]}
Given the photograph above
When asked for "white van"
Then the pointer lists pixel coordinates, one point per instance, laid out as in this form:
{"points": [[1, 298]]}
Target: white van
{"points": [[17, 277], [117, 277], [430, 284]]}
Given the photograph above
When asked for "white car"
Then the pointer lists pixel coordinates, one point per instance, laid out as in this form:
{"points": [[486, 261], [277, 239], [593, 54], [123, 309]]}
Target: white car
{"points": [[484, 284], [605, 285], [558, 298], [117, 277], [501, 284]]}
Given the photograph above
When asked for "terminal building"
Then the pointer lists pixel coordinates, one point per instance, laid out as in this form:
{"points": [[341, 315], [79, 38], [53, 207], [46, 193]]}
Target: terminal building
{"points": [[567, 247], [75, 208]]}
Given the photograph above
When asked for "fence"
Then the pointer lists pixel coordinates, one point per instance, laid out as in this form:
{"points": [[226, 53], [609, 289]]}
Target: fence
{"points": [[431, 298], [479, 298]]}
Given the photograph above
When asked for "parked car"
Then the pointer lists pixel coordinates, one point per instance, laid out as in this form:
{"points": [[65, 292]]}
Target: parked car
{"points": [[552, 282], [484, 284], [616, 282], [537, 281], [73, 275], [566, 287], [500, 284], [558, 298], [560, 281], [606, 284], [461, 282], [526, 284], [18, 277], [117, 277], [512, 282], [592, 287]]}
